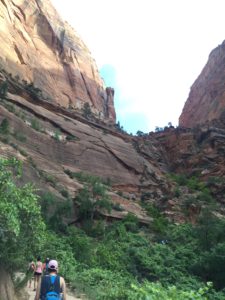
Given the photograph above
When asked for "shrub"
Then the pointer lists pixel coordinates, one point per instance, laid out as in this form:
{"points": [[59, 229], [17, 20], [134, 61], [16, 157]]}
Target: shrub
{"points": [[64, 193], [156, 291], [4, 127], [57, 135], [3, 89], [20, 136], [86, 110], [71, 137], [36, 125]]}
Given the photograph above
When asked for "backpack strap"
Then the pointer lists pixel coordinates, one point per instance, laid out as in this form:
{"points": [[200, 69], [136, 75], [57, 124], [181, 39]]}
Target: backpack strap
{"points": [[50, 283]]}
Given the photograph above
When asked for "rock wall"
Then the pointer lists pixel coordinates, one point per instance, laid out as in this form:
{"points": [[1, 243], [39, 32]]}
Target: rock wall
{"points": [[206, 100], [6, 286], [38, 47]]}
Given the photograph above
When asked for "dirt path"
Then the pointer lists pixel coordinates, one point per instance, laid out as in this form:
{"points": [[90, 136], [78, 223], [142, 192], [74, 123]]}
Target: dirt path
{"points": [[31, 294]]}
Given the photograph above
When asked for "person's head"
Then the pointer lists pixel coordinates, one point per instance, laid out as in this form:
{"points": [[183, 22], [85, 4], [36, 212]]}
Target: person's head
{"points": [[53, 266], [38, 258]]}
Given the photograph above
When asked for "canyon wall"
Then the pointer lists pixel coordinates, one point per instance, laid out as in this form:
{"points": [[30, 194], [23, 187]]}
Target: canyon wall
{"points": [[206, 100], [38, 47]]}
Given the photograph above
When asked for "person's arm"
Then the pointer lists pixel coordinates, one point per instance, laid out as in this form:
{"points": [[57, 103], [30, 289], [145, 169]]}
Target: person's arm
{"points": [[63, 287], [38, 290]]}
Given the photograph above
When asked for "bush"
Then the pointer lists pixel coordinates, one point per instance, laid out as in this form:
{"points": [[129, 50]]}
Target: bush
{"points": [[4, 127], [86, 110], [36, 125], [102, 284], [20, 136], [155, 291]]}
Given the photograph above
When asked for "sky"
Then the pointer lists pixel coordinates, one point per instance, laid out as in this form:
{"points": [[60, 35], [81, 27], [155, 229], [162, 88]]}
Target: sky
{"points": [[149, 51]]}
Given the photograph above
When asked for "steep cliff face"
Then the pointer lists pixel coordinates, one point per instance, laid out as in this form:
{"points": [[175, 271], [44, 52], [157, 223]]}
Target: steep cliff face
{"points": [[51, 141], [52, 138], [206, 100], [40, 48]]}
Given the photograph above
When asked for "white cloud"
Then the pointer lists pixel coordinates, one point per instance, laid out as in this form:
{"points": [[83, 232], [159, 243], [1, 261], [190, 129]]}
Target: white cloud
{"points": [[157, 48]]}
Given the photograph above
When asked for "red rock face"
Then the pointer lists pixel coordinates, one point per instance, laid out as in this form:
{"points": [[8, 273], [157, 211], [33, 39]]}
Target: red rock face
{"points": [[39, 47], [206, 100]]}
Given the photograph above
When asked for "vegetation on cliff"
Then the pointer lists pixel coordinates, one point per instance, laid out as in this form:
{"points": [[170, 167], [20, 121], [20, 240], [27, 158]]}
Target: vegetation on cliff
{"points": [[120, 260]]}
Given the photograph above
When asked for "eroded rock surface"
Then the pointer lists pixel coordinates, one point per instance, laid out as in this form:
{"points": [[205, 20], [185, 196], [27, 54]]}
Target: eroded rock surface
{"points": [[206, 100], [39, 47]]}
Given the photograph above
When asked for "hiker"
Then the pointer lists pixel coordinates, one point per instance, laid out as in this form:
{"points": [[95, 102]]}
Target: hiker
{"points": [[30, 271], [52, 286], [45, 267], [38, 272]]}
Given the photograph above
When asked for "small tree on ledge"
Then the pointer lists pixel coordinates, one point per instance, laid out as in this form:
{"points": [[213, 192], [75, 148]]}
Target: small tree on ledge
{"points": [[86, 110]]}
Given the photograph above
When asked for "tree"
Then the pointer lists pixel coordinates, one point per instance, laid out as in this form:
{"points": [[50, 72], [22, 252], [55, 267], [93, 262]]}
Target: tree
{"points": [[158, 129], [3, 89], [86, 110], [140, 133], [21, 225], [92, 198], [4, 127]]}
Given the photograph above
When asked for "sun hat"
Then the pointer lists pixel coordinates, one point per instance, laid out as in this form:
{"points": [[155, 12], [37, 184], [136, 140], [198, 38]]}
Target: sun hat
{"points": [[53, 265]]}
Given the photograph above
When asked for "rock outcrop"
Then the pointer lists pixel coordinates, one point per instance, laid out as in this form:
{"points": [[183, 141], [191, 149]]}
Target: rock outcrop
{"points": [[6, 286], [39, 48], [206, 100], [42, 100]]}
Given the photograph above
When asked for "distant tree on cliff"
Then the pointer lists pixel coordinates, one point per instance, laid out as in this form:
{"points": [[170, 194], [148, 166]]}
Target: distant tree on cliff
{"points": [[3, 89], [140, 133], [4, 127], [158, 129], [86, 110], [119, 127], [91, 198]]}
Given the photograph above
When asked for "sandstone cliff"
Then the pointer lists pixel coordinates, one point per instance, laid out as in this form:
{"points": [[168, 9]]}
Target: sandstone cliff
{"points": [[52, 137], [206, 100], [39, 48]]}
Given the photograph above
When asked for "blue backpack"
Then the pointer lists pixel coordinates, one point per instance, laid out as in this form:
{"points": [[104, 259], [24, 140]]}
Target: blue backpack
{"points": [[50, 287]]}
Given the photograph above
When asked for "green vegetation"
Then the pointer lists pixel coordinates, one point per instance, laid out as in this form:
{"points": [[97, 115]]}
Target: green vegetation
{"points": [[35, 92], [119, 260], [48, 177], [21, 225], [3, 89], [91, 199], [36, 125], [20, 136], [4, 127], [86, 110], [71, 137], [84, 177], [119, 127], [10, 107], [140, 133], [57, 135]]}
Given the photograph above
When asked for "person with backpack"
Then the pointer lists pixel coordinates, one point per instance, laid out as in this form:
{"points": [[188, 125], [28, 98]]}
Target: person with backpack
{"points": [[45, 267], [38, 272], [52, 285]]}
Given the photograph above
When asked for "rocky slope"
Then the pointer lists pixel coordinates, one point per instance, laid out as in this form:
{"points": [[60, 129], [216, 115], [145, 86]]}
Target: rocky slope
{"points": [[206, 100], [39, 48], [54, 136], [50, 141]]}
